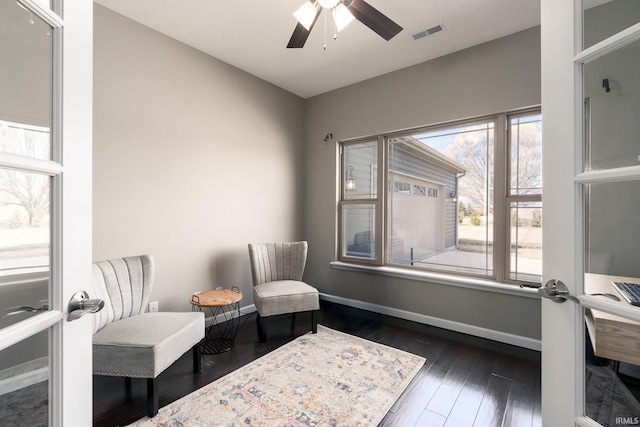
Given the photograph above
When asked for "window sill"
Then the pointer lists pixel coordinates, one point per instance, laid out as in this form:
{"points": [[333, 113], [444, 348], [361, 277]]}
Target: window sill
{"points": [[441, 279]]}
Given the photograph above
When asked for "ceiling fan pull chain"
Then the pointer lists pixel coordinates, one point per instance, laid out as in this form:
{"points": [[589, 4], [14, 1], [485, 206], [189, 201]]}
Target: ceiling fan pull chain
{"points": [[325, 30]]}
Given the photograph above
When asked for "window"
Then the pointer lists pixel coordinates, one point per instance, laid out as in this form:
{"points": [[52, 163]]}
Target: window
{"points": [[524, 197], [24, 202], [361, 206], [465, 198]]}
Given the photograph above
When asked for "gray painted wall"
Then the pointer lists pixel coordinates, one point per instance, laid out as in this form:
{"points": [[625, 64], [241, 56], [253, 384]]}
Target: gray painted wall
{"points": [[180, 174], [193, 159], [500, 75]]}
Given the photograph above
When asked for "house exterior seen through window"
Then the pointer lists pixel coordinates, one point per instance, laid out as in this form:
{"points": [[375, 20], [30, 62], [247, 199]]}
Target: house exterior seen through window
{"points": [[465, 199]]}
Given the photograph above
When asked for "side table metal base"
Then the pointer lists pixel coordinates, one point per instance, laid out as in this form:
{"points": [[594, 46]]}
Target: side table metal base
{"points": [[224, 306], [216, 345], [221, 335]]}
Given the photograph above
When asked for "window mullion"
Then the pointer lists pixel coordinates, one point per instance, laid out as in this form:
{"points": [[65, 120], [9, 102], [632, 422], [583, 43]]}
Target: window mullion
{"points": [[524, 198], [381, 203], [500, 223]]}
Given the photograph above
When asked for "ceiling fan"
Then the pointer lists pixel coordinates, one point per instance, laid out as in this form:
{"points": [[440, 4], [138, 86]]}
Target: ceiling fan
{"points": [[343, 11]]}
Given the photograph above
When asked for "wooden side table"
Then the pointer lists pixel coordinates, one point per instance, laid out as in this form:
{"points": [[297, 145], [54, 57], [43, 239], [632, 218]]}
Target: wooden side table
{"points": [[224, 305]]}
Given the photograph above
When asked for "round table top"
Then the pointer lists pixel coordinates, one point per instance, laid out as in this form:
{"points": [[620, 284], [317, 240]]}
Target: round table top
{"points": [[215, 298]]}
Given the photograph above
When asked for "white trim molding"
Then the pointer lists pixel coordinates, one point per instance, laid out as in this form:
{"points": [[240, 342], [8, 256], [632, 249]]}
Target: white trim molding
{"points": [[503, 337], [29, 164], [24, 375], [16, 333]]}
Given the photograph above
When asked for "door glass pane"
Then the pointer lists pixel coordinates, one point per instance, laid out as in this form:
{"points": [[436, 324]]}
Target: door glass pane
{"points": [[613, 234], [612, 377], [441, 199], [25, 82], [612, 365], [526, 241], [604, 18], [24, 382], [359, 238], [24, 244], [612, 91], [360, 170]]}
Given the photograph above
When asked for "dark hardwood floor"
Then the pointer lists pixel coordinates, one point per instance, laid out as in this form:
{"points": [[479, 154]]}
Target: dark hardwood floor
{"points": [[465, 382]]}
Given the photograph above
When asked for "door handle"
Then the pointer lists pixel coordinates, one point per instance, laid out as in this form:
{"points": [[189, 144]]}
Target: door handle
{"points": [[556, 291], [12, 311], [80, 304]]}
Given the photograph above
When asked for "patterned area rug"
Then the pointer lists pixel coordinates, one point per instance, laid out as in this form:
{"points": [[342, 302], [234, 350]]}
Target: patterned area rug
{"points": [[324, 379]]}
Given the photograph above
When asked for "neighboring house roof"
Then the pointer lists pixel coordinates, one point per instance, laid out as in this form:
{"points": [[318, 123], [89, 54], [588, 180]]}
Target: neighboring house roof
{"points": [[416, 148]]}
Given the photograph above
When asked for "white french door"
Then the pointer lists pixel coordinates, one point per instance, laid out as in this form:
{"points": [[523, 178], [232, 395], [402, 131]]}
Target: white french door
{"points": [[45, 210], [591, 168]]}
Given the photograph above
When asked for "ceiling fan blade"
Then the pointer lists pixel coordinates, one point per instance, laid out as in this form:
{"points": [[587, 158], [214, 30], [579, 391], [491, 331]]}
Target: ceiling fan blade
{"points": [[374, 19], [301, 34]]}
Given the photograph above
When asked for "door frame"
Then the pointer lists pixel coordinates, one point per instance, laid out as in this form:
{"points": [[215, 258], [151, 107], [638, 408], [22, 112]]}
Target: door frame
{"points": [[74, 371], [563, 326], [70, 354], [559, 321]]}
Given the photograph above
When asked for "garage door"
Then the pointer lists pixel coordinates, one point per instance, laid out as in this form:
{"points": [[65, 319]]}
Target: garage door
{"points": [[417, 219]]}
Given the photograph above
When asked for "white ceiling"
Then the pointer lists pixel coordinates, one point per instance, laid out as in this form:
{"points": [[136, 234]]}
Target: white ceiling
{"points": [[252, 35]]}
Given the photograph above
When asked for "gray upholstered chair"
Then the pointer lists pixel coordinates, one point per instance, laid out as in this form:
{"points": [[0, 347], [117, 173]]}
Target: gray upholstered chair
{"points": [[276, 269], [130, 343]]}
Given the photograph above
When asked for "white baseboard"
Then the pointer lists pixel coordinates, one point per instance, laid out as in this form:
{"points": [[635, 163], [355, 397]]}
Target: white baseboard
{"points": [[24, 375], [477, 331]]}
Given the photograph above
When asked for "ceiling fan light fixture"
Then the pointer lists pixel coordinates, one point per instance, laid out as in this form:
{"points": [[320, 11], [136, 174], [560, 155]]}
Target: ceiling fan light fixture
{"points": [[306, 14], [343, 11], [328, 4], [342, 16]]}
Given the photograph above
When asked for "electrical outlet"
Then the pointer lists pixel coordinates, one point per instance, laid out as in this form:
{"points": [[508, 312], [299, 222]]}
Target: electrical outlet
{"points": [[218, 288], [153, 307]]}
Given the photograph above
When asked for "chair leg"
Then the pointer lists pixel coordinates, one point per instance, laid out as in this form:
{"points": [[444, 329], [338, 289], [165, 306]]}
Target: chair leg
{"points": [[262, 328], [196, 358], [293, 323], [127, 388], [314, 321], [153, 398]]}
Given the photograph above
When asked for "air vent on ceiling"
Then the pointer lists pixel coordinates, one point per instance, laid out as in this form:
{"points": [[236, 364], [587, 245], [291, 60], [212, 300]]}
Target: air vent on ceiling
{"points": [[428, 32]]}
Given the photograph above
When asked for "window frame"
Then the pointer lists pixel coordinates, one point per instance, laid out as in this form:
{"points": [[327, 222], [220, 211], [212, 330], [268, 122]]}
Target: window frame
{"points": [[377, 201], [501, 256], [514, 198]]}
